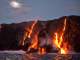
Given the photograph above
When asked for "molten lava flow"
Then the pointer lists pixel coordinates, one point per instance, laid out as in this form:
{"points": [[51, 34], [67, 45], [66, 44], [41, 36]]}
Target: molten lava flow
{"points": [[59, 41], [41, 51], [28, 33], [34, 43]]}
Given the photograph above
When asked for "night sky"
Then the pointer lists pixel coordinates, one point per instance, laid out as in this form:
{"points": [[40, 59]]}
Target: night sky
{"points": [[37, 9]]}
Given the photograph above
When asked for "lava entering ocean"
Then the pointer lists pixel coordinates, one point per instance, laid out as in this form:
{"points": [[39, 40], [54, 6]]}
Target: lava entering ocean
{"points": [[57, 40]]}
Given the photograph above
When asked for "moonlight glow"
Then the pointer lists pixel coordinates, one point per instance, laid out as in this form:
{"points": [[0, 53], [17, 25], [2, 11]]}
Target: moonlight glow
{"points": [[15, 4]]}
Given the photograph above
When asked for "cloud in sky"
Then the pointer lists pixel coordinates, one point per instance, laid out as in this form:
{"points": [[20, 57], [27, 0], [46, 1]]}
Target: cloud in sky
{"points": [[73, 8], [30, 9], [15, 4], [12, 9]]}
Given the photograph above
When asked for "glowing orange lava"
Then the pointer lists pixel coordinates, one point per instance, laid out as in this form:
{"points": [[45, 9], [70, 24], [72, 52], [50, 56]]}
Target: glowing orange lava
{"points": [[30, 31], [58, 41], [34, 43], [41, 51], [27, 34]]}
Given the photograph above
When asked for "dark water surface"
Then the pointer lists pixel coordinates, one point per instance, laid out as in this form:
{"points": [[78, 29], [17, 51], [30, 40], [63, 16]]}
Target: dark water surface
{"points": [[34, 56]]}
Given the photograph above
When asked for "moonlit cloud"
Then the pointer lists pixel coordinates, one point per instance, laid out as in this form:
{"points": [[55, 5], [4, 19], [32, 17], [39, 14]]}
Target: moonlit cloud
{"points": [[15, 4], [26, 10], [14, 11], [18, 10]]}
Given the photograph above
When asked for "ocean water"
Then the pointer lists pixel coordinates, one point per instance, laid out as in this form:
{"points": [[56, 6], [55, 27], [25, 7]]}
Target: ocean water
{"points": [[35, 56]]}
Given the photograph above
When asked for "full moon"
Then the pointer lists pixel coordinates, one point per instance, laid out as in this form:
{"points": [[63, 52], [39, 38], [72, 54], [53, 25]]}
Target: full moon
{"points": [[15, 4]]}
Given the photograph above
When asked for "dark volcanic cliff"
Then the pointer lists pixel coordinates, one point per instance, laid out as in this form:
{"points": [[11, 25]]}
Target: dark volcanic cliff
{"points": [[11, 34]]}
